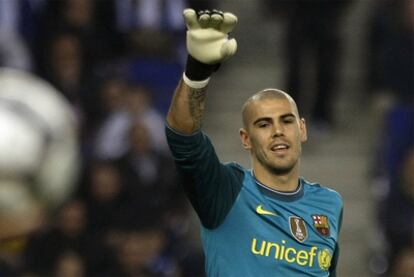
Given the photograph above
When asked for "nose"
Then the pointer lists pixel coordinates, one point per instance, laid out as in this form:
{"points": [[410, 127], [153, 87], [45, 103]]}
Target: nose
{"points": [[278, 130]]}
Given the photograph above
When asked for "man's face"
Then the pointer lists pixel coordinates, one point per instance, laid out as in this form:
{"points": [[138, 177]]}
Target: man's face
{"points": [[274, 134]]}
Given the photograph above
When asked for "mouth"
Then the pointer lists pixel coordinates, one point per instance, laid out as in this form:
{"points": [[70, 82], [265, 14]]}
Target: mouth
{"points": [[280, 148]]}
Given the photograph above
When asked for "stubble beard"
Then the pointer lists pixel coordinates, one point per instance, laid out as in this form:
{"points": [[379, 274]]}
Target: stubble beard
{"points": [[272, 167]]}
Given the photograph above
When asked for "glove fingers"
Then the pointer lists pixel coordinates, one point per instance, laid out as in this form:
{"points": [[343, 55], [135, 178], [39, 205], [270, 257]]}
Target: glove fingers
{"points": [[229, 48], [204, 18], [191, 20], [216, 19], [212, 19], [229, 21]]}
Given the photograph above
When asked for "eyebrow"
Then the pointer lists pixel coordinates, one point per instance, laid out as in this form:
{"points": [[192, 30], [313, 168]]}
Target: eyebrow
{"points": [[269, 119], [288, 115]]}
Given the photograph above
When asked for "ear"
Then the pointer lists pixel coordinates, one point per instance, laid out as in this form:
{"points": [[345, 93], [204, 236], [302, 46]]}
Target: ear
{"points": [[245, 139], [303, 130]]}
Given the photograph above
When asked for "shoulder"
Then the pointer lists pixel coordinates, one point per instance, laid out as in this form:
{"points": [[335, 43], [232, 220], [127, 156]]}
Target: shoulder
{"points": [[235, 166], [238, 170], [323, 193]]}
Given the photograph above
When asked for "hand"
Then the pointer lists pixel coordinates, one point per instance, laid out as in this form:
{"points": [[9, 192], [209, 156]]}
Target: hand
{"points": [[207, 35]]}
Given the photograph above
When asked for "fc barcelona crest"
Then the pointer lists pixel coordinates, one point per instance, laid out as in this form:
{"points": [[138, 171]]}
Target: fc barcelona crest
{"points": [[321, 224], [298, 228]]}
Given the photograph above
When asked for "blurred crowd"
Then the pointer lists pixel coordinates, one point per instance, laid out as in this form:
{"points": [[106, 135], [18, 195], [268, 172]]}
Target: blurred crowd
{"points": [[117, 63], [390, 60]]}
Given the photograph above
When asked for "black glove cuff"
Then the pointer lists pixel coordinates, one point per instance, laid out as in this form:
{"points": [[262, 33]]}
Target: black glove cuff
{"points": [[198, 71]]}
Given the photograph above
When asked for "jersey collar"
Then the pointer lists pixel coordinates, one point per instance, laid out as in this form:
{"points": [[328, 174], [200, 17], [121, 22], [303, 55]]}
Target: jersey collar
{"points": [[281, 195]]}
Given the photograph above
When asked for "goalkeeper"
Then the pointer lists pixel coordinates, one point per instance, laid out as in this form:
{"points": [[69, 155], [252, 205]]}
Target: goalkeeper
{"points": [[264, 221]]}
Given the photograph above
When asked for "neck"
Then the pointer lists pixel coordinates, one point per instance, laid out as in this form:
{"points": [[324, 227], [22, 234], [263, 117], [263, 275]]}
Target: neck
{"points": [[285, 182]]}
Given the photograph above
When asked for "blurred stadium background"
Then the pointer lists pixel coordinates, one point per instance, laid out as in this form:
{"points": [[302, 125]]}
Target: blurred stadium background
{"points": [[117, 61]]}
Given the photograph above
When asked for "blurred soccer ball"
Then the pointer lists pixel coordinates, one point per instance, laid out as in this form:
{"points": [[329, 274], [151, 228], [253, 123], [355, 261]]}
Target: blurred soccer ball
{"points": [[38, 148]]}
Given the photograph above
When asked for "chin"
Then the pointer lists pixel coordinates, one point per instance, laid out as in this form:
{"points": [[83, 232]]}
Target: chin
{"points": [[280, 170]]}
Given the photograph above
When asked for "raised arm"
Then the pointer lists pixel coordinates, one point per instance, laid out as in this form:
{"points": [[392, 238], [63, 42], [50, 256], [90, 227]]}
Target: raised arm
{"points": [[207, 45], [187, 108]]}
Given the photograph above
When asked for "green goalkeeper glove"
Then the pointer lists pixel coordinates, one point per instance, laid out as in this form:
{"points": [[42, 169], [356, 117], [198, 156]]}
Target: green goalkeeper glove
{"points": [[208, 43]]}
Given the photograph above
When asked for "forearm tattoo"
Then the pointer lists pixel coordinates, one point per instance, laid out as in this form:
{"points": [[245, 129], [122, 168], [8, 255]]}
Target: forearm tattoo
{"points": [[197, 103]]}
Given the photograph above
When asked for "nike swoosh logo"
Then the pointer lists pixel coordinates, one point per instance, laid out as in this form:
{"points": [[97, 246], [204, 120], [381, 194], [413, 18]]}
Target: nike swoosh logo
{"points": [[260, 210]]}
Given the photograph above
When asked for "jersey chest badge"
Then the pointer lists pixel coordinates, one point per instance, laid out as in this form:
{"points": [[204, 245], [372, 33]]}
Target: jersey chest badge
{"points": [[321, 224], [298, 228]]}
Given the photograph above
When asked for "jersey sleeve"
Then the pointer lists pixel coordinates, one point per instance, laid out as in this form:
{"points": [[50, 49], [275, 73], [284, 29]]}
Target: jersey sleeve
{"points": [[211, 186]]}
